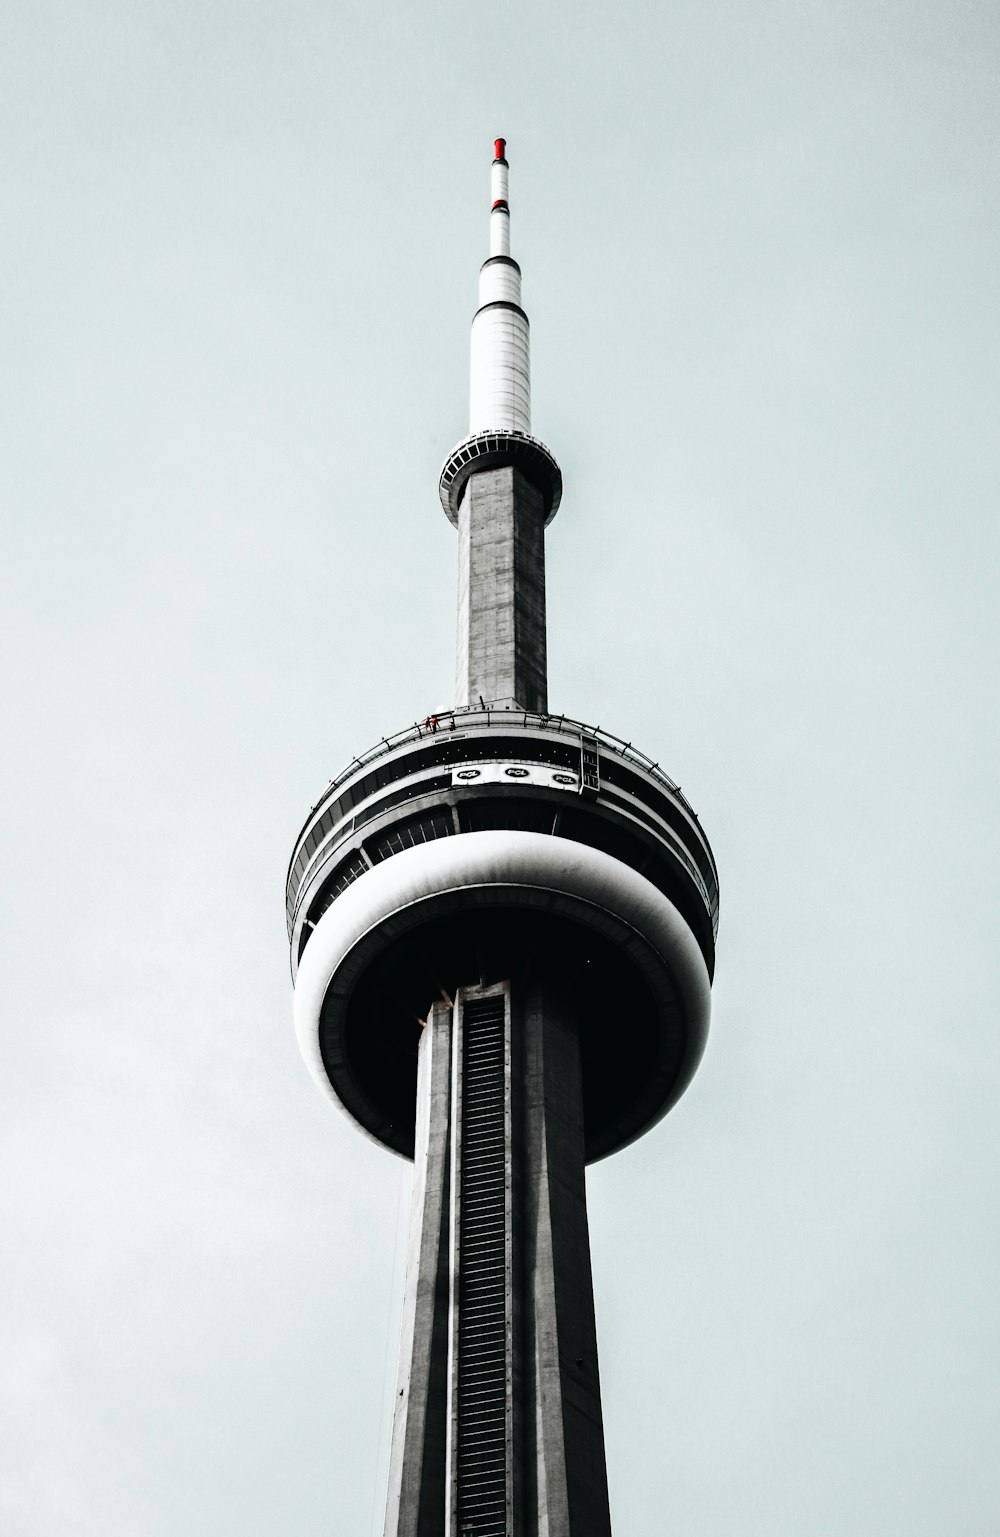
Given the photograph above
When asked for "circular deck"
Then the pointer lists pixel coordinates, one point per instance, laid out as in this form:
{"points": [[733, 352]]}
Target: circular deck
{"points": [[486, 845]]}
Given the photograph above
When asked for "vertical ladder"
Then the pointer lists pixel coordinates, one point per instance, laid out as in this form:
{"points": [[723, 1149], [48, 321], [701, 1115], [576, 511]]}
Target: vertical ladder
{"points": [[590, 765], [483, 1332]]}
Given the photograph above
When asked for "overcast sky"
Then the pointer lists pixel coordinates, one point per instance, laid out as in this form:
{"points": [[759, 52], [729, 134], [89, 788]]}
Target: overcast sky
{"points": [[761, 247]]}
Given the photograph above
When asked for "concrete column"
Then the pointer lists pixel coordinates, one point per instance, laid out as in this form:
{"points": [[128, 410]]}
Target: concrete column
{"points": [[415, 1503], [567, 1428], [498, 1429], [501, 652]]}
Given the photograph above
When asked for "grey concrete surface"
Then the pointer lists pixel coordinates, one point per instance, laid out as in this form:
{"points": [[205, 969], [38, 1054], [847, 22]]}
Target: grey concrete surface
{"points": [[415, 1500], [555, 1469], [563, 1390], [501, 646]]}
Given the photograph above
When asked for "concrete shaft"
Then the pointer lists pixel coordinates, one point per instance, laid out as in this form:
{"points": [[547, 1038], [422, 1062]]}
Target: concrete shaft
{"points": [[500, 652], [498, 1427], [415, 1502]]}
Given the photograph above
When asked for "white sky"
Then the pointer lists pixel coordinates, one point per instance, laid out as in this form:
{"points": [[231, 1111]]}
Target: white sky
{"points": [[760, 246]]}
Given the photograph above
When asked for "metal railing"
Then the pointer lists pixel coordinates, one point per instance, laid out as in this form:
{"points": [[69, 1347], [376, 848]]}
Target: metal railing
{"points": [[459, 719]]}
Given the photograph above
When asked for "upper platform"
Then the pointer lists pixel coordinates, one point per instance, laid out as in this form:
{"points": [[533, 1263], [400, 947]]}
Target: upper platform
{"points": [[490, 450]]}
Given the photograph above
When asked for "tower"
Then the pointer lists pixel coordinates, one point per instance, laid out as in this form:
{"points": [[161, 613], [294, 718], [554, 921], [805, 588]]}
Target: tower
{"points": [[502, 928]]}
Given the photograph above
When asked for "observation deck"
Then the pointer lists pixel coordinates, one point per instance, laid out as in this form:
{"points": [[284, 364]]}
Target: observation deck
{"points": [[479, 841]]}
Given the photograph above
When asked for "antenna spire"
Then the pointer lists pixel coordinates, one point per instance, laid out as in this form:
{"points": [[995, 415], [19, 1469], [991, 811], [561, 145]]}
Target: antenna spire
{"points": [[499, 208], [500, 385], [500, 487]]}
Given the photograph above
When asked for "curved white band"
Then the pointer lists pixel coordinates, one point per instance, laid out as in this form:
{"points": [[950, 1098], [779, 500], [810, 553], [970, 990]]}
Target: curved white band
{"points": [[607, 894]]}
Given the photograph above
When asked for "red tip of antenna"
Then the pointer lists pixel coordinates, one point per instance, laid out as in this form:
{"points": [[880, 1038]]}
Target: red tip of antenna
{"points": [[499, 145]]}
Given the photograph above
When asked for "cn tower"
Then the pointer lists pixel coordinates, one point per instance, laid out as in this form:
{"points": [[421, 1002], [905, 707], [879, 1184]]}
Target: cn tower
{"points": [[502, 927]]}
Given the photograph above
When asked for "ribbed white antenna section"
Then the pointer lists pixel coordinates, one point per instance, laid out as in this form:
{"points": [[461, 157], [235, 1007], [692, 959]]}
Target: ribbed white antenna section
{"points": [[499, 208], [500, 379]]}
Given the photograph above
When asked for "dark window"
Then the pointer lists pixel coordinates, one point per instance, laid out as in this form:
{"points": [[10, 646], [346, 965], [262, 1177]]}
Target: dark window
{"points": [[406, 835], [343, 876], [482, 816]]}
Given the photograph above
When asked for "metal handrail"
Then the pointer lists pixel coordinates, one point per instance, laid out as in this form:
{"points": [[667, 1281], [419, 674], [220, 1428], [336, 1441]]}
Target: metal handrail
{"points": [[449, 720]]}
